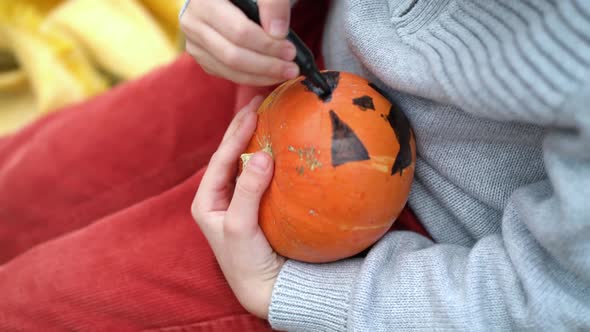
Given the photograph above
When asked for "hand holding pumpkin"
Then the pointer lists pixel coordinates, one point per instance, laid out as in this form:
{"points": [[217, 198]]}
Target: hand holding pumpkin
{"points": [[298, 213], [227, 212], [227, 44]]}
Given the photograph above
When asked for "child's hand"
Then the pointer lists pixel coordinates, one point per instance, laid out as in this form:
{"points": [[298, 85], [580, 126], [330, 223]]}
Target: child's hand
{"points": [[228, 44], [227, 212]]}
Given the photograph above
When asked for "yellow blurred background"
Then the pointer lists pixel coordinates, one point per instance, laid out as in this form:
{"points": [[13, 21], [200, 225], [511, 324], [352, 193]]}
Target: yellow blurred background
{"points": [[57, 52]]}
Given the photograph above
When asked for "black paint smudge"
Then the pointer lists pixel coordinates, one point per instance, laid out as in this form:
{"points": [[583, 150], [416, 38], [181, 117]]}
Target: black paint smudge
{"points": [[331, 77], [401, 127], [346, 146], [364, 103], [378, 89]]}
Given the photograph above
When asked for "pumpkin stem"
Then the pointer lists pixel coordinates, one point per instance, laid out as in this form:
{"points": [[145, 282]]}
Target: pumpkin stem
{"points": [[245, 157]]}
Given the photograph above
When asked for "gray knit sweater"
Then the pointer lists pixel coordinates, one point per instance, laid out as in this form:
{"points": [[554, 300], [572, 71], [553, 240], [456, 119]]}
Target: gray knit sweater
{"points": [[498, 93]]}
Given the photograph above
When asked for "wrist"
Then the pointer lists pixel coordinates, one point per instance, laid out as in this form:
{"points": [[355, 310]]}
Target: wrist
{"points": [[256, 300]]}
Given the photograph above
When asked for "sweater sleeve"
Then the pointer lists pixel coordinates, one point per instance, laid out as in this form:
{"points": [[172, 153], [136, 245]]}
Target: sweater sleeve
{"points": [[534, 274]]}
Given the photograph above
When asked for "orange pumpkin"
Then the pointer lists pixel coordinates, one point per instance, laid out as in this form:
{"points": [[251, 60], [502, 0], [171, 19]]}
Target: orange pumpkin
{"points": [[343, 167]]}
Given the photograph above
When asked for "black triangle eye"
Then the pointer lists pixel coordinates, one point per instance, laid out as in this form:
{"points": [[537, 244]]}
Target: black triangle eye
{"points": [[364, 103], [346, 146]]}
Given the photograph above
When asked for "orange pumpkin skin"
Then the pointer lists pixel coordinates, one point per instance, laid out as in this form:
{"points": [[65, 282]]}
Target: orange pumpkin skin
{"points": [[329, 198]]}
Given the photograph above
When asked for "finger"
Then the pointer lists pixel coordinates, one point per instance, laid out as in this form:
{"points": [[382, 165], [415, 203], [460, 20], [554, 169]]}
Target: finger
{"points": [[275, 16], [257, 100], [198, 31], [245, 33], [242, 59], [242, 213], [215, 189], [211, 225], [214, 67]]}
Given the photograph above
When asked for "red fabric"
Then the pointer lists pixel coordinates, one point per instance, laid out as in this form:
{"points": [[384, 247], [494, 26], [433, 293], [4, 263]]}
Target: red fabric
{"points": [[407, 221], [95, 228]]}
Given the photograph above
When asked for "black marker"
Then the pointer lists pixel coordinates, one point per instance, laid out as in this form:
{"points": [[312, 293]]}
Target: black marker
{"points": [[303, 58]]}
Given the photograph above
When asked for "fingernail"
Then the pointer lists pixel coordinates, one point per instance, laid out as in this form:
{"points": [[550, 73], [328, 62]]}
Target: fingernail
{"points": [[278, 28], [291, 71], [288, 52], [256, 100], [259, 162]]}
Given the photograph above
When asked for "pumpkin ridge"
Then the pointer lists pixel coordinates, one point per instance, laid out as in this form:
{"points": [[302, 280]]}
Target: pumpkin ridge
{"points": [[363, 228]]}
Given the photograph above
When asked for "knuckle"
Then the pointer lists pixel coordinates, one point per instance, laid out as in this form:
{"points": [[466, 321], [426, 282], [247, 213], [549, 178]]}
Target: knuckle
{"points": [[196, 53], [183, 22], [269, 44], [190, 49], [193, 50], [253, 80], [274, 5], [232, 228], [208, 70], [266, 3], [241, 34], [248, 186], [231, 57], [196, 212], [244, 79], [222, 159], [186, 24], [275, 68], [217, 156]]}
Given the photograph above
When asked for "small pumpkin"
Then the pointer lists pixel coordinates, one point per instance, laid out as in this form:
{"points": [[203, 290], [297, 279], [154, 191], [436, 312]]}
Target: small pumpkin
{"points": [[344, 165]]}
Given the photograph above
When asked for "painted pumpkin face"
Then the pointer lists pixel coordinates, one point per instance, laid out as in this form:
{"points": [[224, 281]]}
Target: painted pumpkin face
{"points": [[344, 166]]}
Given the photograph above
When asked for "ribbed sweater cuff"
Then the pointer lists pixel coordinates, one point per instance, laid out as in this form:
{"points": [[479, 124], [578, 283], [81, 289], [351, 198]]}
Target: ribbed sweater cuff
{"points": [[313, 297]]}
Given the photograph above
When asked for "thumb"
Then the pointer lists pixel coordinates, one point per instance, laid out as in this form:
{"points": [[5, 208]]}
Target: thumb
{"points": [[275, 17], [242, 213]]}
